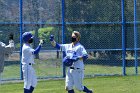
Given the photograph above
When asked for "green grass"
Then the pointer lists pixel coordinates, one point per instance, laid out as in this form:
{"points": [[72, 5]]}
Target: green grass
{"points": [[53, 68], [121, 84]]}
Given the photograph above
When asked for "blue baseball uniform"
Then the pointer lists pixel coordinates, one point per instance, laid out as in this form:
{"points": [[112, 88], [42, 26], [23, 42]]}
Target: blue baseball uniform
{"points": [[28, 71], [75, 54], [30, 79], [75, 72]]}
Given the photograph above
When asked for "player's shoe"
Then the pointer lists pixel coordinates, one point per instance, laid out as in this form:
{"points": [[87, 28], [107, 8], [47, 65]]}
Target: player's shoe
{"points": [[86, 90], [90, 91]]}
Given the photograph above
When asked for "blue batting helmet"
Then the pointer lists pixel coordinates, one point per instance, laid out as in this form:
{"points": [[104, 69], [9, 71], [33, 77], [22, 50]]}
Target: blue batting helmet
{"points": [[26, 36]]}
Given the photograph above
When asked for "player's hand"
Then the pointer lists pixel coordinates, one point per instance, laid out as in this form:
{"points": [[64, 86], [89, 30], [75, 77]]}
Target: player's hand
{"points": [[51, 37], [41, 42]]}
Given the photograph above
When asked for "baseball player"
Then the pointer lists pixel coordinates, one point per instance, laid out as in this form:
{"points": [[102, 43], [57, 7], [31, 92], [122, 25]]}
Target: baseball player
{"points": [[30, 79], [5, 51], [76, 53]]}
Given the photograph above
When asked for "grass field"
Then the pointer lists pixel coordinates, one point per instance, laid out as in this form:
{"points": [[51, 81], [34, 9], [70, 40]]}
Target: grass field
{"points": [[50, 66], [113, 84], [53, 68]]}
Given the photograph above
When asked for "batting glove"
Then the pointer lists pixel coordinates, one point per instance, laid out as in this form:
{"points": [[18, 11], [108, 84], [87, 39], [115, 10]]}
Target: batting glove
{"points": [[41, 42], [51, 37]]}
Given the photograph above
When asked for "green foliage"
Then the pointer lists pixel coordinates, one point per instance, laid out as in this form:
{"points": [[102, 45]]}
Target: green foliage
{"points": [[44, 33]]}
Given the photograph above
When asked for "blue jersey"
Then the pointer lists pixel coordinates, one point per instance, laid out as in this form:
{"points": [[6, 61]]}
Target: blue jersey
{"points": [[76, 50]]}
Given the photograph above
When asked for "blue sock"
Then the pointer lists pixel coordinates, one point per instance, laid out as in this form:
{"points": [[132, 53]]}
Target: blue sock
{"points": [[26, 90], [71, 91], [31, 89]]}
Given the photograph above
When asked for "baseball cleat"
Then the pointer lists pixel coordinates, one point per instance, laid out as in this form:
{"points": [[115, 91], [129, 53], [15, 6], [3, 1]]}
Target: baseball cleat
{"points": [[90, 91]]}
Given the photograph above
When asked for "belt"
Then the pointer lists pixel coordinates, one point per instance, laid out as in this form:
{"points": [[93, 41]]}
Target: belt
{"points": [[74, 68], [27, 64]]}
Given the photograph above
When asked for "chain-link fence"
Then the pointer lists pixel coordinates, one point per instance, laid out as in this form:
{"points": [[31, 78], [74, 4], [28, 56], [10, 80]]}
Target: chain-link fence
{"points": [[109, 32]]}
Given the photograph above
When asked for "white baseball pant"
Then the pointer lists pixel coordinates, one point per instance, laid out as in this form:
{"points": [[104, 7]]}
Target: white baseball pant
{"points": [[29, 76], [74, 77]]}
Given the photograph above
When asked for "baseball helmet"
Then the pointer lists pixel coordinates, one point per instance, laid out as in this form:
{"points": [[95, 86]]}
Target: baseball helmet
{"points": [[26, 36]]}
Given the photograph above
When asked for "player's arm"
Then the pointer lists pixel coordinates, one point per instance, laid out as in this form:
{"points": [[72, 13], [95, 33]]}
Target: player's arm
{"points": [[37, 50], [10, 47], [83, 56], [54, 44]]}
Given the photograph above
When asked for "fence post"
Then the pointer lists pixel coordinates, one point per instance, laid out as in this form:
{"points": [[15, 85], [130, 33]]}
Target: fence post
{"points": [[123, 40], [63, 31], [21, 23], [135, 36]]}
